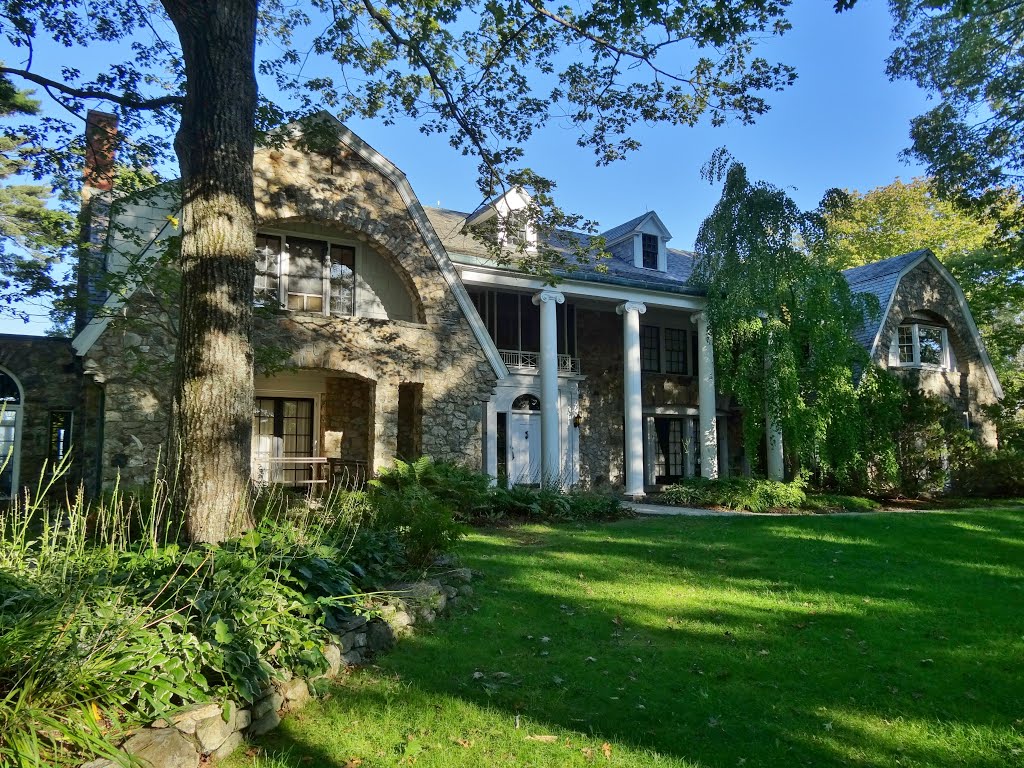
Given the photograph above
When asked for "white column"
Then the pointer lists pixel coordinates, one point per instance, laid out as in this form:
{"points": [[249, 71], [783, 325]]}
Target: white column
{"points": [[549, 444], [633, 405], [706, 401], [491, 443]]}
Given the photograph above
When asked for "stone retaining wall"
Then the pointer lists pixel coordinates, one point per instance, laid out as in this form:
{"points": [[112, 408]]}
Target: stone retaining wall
{"points": [[214, 730]]}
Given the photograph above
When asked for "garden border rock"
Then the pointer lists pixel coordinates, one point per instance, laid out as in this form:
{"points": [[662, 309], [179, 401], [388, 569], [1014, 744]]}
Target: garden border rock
{"points": [[216, 729]]}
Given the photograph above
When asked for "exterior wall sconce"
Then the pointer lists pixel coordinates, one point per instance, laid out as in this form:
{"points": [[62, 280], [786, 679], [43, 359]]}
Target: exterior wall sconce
{"points": [[577, 420]]}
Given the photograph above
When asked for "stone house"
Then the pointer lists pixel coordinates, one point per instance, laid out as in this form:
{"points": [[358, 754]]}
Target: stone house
{"points": [[385, 330]]}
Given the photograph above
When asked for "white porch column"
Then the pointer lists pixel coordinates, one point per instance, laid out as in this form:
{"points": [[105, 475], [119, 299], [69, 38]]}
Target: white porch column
{"points": [[550, 455], [706, 401], [633, 405]]}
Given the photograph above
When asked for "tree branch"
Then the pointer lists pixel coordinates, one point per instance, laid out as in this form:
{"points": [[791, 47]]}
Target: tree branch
{"points": [[94, 93]]}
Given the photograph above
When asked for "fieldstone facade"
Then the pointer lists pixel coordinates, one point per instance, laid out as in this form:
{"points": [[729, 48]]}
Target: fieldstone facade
{"points": [[51, 380], [363, 360], [924, 292]]}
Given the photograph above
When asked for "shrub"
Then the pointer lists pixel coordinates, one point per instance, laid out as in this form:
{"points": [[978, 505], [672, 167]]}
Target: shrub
{"points": [[752, 494], [983, 472], [837, 502], [406, 502]]}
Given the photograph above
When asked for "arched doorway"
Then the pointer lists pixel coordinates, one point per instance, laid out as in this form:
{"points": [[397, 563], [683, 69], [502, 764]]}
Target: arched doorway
{"points": [[11, 399], [524, 462]]}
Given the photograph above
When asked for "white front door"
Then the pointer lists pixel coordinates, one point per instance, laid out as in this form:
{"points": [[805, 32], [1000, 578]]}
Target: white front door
{"points": [[524, 448]]}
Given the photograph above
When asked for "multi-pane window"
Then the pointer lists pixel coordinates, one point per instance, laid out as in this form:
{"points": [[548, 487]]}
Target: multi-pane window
{"points": [[650, 348], [906, 342], [650, 251], [282, 436], [343, 280], [305, 274], [676, 357], [920, 344], [668, 350]]}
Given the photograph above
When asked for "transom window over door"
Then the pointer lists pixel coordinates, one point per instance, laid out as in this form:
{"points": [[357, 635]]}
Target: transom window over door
{"points": [[305, 274], [282, 432]]}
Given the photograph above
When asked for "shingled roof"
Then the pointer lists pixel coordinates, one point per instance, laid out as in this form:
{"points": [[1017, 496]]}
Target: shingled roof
{"points": [[879, 279], [464, 248]]}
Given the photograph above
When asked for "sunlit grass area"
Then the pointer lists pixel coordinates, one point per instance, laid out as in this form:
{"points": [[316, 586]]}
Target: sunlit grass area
{"points": [[882, 640]]}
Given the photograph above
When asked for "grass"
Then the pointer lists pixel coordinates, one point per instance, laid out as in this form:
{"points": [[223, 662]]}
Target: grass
{"points": [[886, 640]]}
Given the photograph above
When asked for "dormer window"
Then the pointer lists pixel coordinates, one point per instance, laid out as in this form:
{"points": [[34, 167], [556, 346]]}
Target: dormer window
{"points": [[507, 218], [924, 346], [649, 245]]}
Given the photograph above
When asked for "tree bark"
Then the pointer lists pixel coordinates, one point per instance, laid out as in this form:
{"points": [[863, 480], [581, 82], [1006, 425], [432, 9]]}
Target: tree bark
{"points": [[212, 410]]}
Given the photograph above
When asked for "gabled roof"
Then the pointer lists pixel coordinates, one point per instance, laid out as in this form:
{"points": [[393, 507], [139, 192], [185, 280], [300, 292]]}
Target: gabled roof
{"points": [[91, 333], [882, 278], [615, 234]]}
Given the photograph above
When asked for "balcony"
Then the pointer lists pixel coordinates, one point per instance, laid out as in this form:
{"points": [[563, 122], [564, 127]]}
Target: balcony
{"points": [[517, 360]]}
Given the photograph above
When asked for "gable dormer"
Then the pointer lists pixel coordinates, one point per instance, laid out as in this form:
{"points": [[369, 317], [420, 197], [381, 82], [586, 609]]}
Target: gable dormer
{"points": [[509, 215], [641, 241]]}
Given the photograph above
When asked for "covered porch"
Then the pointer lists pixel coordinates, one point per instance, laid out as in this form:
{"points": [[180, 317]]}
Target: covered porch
{"points": [[613, 366], [319, 428]]}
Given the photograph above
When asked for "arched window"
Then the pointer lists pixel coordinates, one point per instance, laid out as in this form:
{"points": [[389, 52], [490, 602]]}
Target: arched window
{"points": [[10, 433], [526, 403]]}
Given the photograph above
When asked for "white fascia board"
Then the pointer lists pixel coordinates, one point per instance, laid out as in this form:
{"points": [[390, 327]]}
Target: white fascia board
{"points": [[965, 311], [654, 218], [419, 217], [500, 279]]}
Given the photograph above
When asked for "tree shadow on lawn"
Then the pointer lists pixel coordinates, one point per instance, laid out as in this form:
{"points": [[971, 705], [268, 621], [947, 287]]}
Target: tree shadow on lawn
{"points": [[881, 640]]}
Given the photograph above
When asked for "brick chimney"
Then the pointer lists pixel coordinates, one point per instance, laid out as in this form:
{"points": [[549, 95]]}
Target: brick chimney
{"points": [[97, 183], [100, 152]]}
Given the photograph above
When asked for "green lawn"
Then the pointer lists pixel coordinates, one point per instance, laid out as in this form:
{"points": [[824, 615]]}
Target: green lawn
{"points": [[889, 640]]}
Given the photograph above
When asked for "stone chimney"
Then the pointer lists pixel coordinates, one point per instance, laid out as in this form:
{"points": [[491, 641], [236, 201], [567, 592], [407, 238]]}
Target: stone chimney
{"points": [[100, 152]]}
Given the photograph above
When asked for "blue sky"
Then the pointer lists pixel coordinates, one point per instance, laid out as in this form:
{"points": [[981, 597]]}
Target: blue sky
{"points": [[842, 124]]}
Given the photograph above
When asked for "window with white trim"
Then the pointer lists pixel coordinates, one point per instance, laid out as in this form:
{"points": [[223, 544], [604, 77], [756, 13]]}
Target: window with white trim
{"points": [[923, 345], [649, 244], [305, 274]]}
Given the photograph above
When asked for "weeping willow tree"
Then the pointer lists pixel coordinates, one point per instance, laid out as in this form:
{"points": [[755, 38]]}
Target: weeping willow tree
{"points": [[782, 320]]}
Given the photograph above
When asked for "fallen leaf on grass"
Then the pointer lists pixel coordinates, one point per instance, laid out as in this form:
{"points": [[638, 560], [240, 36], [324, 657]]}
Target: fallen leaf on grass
{"points": [[607, 749], [543, 738], [465, 743], [354, 762], [588, 753]]}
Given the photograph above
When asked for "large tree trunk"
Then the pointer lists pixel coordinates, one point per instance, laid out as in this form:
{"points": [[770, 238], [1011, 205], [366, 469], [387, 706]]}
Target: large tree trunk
{"points": [[213, 401]]}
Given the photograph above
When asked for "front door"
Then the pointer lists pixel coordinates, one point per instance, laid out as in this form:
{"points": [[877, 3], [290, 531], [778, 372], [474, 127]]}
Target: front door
{"points": [[524, 448]]}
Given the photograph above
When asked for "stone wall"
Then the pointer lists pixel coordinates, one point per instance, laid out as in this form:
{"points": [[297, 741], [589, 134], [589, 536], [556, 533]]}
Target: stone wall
{"points": [[348, 407], [50, 377], [968, 388], [599, 341], [199, 733], [133, 363], [344, 194]]}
